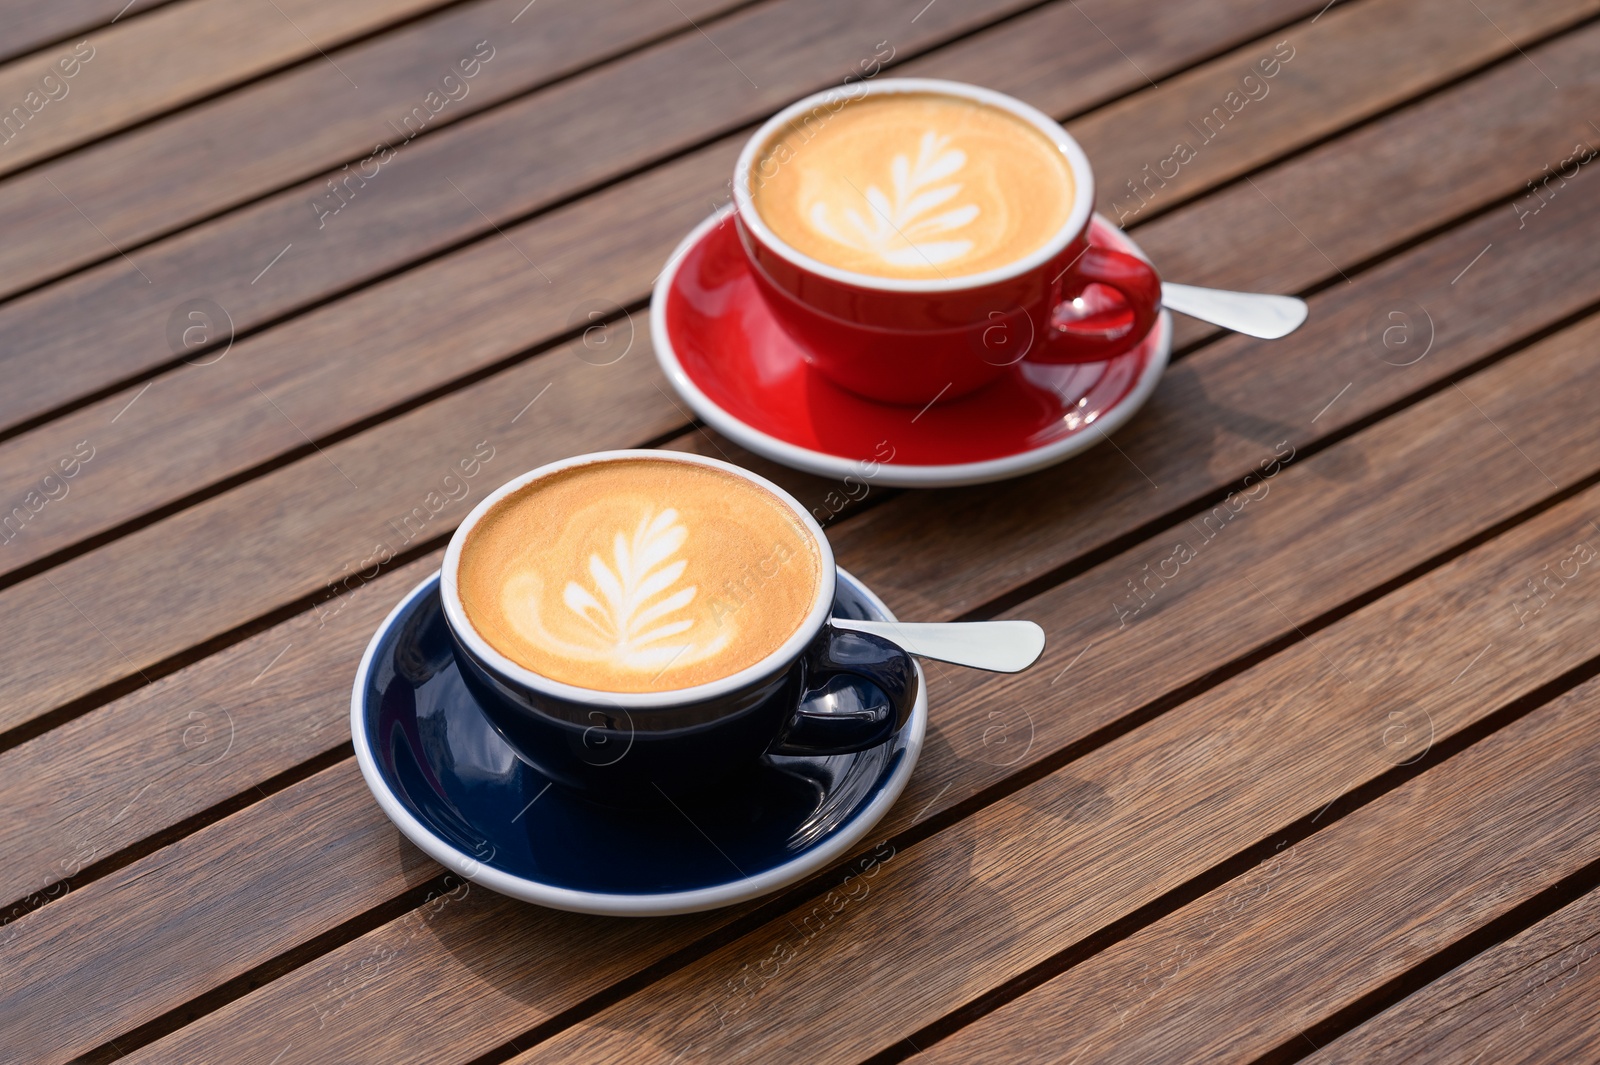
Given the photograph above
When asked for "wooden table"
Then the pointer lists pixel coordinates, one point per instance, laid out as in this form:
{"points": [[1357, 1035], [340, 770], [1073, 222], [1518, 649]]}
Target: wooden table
{"points": [[1327, 788]]}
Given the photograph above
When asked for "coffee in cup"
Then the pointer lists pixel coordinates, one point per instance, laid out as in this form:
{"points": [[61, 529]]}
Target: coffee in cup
{"points": [[638, 621], [913, 185], [917, 238], [634, 575]]}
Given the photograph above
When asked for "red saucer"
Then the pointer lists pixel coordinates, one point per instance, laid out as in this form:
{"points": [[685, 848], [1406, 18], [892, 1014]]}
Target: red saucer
{"points": [[737, 368]]}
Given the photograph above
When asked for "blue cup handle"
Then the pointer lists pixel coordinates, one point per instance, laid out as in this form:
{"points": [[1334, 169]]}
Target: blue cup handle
{"points": [[832, 716]]}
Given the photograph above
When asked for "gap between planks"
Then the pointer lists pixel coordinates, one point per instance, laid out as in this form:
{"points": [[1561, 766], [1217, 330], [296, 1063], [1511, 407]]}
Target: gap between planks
{"points": [[272, 463], [282, 316], [1005, 785]]}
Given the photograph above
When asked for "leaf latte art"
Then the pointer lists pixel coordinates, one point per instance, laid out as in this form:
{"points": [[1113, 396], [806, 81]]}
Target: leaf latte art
{"points": [[914, 185], [638, 616], [637, 575], [900, 231]]}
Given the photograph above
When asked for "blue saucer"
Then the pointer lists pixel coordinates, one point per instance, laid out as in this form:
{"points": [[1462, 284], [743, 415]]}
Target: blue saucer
{"points": [[456, 790]]}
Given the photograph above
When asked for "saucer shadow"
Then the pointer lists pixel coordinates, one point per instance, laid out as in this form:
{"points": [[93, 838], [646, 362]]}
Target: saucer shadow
{"points": [[1186, 392], [547, 959], [437, 755]]}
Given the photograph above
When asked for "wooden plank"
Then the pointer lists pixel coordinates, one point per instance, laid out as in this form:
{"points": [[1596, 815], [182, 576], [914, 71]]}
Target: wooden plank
{"points": [[303, 523], [186, 918], [351, 505], [1218, 414], [164, 469], [165, 439], [485, 303], [1231, 125], [1531, 998], [1322, 509], [31, 25], [119, 952], [1158, 621], [603, 251], [283, 688], [954, 916], [445, 189], [1342, 201], [174, 749], [1450, 430], [208, 734], [330, 1010], [1411, 467], [1248, 967], [227, 151], [173, 55], [1474, 581], [127, 329]]}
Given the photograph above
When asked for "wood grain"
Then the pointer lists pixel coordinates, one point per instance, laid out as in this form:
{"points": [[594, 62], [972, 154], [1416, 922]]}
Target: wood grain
{"points": [[280, 691], [1308, 547], [31, 25], [211, 732], [336, 512], [1531, 998], [126, 330], [201, 424], [1477, 582], [1367, 190], [188, 917], [1218, 414], [1232, 125], [1112, 649], [1122, 816], [1250, 965], [441, 190], [168, 438], [952, 550], [173, 55], [1164, 618], [192, 429], [224, 152], [954, 916], [176, 748], [334, 1009]]}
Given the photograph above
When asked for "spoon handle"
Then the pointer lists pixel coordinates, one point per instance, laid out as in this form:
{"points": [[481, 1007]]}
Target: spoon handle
{"points": [[998, 646], [1251, 313]]}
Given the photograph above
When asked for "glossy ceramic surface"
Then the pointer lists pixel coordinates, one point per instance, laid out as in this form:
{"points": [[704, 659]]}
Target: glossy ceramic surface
{"points": [[455, 789], [913, 341], [623, 746], [741, 371]]}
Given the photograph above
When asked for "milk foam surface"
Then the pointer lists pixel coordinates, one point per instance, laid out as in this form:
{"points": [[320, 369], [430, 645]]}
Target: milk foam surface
{"points": [[638, 575], [913, 185]]}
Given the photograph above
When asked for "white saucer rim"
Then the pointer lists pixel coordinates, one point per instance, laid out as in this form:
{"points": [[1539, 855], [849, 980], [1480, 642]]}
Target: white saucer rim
{"points": [[660, 904], [902, 475]]}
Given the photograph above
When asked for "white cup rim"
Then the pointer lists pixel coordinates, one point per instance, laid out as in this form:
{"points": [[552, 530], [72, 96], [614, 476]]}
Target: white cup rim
{"points": [[456, 615], [1077, 161]]}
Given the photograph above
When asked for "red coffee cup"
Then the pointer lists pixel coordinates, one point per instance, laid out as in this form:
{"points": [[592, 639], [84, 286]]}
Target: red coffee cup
{"points": [[915, 341]]}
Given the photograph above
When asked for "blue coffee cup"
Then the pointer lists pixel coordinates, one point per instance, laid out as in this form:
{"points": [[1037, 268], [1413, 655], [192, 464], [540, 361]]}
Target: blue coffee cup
{"points": [[824, 690]]}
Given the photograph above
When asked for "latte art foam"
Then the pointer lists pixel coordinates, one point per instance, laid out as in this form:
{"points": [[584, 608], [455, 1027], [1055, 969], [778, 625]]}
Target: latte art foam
{"points": [[637, 575], [913, 185]]}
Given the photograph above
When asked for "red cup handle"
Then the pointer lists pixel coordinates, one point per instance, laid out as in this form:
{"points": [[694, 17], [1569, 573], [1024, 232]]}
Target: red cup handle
{"points": [[1086, 327]]}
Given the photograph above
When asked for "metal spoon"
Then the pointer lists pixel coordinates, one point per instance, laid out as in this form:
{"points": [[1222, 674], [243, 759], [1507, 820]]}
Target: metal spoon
{"points": [[1251, 313], [999, 646]]}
